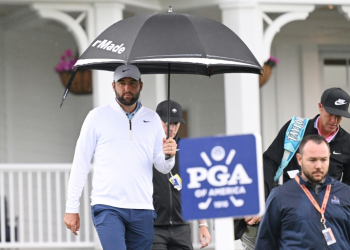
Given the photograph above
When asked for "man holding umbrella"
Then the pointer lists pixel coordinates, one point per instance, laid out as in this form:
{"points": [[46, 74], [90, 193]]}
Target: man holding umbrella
{"points": [[171, 231], [125, 139], [201, 46]]}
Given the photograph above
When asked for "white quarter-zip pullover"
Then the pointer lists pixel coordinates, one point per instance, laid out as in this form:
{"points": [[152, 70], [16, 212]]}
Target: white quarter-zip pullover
{"points": [[124, 152]]}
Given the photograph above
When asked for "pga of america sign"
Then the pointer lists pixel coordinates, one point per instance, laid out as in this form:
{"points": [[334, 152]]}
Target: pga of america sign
{"points": [[222, 176]]}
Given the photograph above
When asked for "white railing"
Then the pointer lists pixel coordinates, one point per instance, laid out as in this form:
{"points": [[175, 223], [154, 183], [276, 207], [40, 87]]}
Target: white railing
{"points": [[32, 205]]}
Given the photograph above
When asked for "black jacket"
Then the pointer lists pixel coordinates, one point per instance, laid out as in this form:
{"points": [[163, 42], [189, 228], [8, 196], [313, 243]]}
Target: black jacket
{"points": [[167, 199], [339, 160]]}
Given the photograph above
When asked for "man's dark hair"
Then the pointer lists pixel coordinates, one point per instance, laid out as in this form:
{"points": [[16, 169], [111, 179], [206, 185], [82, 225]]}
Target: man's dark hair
{"points": [[315, 138]]}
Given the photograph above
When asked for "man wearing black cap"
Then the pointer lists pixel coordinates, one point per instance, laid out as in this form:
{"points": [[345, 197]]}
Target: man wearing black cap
{"points": [[333, 107], [170, 230]]}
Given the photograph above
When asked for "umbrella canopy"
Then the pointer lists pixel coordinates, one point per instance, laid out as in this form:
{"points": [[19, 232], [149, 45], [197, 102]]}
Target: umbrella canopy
{"points": [[168, 43], [192, 44]]}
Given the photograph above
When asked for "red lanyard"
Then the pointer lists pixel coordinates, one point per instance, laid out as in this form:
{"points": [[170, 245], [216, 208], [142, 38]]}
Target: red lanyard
{"points": [[313, 201]]}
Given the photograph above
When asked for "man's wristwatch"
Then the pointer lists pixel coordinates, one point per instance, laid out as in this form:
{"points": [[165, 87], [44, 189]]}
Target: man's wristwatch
{"points": [[203, 224]]}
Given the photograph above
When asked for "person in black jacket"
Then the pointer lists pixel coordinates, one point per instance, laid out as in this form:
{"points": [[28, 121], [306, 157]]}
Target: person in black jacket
{"points": [[333, 107], [170, 230]]}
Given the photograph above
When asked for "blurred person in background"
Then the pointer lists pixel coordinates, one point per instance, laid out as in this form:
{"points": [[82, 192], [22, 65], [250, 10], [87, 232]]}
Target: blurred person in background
{"points": [[171, 232]]}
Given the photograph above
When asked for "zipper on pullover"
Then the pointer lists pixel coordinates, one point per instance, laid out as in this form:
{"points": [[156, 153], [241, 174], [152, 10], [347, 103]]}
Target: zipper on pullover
{"points": [[130, 131], [131, 137]]}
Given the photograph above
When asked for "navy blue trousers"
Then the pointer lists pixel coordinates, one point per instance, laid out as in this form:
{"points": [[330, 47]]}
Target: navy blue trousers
{"points": [[121, 229]]}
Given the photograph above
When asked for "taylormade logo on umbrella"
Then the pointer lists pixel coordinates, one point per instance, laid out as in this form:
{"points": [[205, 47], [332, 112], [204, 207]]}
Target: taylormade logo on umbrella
{"points": [[109, 45]]}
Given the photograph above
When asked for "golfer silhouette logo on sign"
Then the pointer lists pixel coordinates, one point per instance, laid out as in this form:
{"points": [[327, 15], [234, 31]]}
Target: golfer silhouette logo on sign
{"points": [[221, 178]]}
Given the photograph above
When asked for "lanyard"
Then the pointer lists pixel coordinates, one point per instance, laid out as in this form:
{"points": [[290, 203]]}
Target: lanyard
{"points": [[313, 201]]}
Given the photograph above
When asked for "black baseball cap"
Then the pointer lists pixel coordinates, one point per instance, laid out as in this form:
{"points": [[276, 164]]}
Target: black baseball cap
{"points": [[175, 111], [336, 102]]}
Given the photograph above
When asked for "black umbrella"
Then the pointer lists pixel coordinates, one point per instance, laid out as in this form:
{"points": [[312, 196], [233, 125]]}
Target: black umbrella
{"points": [[169, 43]]}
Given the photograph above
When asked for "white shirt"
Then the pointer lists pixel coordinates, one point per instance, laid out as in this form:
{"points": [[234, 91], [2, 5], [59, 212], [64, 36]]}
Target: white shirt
{"points": [[124, 152]]}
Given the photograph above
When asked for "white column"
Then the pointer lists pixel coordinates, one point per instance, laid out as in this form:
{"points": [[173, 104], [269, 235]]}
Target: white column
{"points": [[3, 102], [154, 90], [106, 14], [345, 9], [242, 90], [241, 93], [310, 79]]}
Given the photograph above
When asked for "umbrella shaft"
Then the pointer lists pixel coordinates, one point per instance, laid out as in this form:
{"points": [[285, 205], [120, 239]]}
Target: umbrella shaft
{"points": [[168, 113]]}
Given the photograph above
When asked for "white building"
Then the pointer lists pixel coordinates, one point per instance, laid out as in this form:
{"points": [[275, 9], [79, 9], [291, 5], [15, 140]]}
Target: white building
{"points": [[311, 39]]}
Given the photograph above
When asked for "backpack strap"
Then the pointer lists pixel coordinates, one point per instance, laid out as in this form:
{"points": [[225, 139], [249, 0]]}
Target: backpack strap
{"points": [[294, 135]]}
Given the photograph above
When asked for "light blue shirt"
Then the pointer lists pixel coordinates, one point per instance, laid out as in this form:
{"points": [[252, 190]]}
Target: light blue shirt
{"points": [[131, 115]]}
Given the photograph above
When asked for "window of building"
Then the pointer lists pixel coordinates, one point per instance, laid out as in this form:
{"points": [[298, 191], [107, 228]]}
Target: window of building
{"points": [[336, 72], [336, 67]]}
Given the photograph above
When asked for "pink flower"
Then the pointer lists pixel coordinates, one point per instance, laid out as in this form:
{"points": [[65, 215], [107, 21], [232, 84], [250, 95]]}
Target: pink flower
{"points": [[69, 53], [67, 62], [273, 61]]}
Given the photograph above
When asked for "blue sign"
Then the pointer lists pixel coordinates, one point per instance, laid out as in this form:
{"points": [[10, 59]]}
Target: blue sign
{"points": [[221, 177]]}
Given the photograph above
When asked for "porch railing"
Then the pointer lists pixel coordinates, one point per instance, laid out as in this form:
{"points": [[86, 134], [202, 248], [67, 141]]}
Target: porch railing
{"points": [[32, 205]]}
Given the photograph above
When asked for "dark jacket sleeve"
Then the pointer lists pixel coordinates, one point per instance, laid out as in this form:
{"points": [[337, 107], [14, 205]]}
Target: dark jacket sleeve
{"points": [[345, 149], [270, 168], [272, 159], [268, 235], [346, 172], [240, 227]]}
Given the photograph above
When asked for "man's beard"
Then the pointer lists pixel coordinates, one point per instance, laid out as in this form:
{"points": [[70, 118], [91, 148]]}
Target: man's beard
{"points": [[125, 102], [312, 179]]}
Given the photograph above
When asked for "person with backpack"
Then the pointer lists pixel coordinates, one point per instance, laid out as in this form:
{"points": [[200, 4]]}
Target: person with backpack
{"points": [[332, 108]]}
